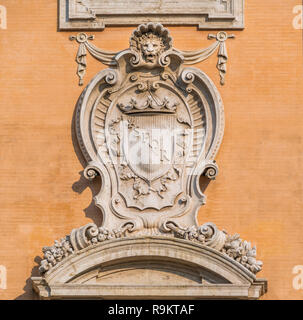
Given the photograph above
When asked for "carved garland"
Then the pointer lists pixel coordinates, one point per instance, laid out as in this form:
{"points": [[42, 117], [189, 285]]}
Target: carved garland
{"points": [[207, 234], [147, 88], [190, 57]]}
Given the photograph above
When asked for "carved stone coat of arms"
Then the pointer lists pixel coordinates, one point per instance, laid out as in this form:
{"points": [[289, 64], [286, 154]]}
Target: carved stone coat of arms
{"points": [[150, 127]]}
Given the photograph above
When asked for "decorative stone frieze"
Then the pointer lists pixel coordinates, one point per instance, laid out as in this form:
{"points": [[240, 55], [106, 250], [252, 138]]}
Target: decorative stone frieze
{"points": [[96, 14]]}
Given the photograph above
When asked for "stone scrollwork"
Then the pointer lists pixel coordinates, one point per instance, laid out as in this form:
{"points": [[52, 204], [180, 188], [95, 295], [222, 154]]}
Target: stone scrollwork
{"points": [[207, 234], [231, 245], [150, 105], [150, 127], [84, 46], [149, 47], [211, 170], [91, 172]]}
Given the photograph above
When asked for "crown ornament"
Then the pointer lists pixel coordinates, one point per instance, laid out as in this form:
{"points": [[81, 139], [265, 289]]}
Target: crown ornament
{"points": [[152, 105], [150, 128]]}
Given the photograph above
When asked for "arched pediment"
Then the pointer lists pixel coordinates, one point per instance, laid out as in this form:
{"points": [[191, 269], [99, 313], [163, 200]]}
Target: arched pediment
{"points": [[153, 267], [150, 127]]}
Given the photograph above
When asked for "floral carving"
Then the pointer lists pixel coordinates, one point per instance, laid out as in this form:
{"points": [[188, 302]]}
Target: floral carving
{"points": [[189, 233], [208, 235], [237, 249], [52, 255], [243, 252], [64, 248], [96, 235]]}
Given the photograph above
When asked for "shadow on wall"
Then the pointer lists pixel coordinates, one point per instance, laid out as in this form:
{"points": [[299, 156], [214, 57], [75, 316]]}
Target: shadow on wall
{"points": [[203, 183], [29, 293], [92, 212]]}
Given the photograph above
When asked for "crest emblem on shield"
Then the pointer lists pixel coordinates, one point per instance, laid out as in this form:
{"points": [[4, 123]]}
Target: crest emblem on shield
{"points": [[148, 130], [153, 128]]}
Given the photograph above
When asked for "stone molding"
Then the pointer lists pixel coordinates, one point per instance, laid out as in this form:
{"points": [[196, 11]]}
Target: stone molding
{"points": [[96, 15], [192, 270], [150, 127], [208, 235], [180, 103]]}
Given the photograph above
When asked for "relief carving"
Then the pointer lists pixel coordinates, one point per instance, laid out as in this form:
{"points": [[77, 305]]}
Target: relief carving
{"points": [[150, 127], [207, 234], [148, 48], [96, 14]]}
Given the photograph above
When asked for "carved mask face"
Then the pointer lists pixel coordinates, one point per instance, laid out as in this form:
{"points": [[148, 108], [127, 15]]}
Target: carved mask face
{"points": [[151, 49]]}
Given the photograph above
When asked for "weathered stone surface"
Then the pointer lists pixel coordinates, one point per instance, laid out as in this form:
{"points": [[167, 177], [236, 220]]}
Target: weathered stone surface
{"points": [[260, 158], [207, 235], [206, 14], [149, 267], [150, 127]]}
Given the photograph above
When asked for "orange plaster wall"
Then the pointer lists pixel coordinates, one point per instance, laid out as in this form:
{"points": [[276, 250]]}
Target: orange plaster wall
{"points": [[259, 191]]}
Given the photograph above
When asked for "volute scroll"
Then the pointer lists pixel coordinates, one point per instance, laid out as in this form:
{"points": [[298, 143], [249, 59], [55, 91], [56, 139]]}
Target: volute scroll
{"points": [[150, 127]]}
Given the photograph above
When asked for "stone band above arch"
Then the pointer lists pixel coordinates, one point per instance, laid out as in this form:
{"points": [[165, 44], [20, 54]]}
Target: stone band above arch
{"points": [[191, 271]]}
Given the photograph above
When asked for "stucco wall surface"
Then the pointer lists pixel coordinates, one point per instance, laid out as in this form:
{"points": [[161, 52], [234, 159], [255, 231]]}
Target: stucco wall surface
{"points": [[259, 191]]}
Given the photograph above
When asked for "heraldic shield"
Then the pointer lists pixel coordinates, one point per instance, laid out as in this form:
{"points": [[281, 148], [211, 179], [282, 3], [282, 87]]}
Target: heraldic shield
{"points": [[150, 128]]}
